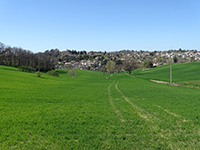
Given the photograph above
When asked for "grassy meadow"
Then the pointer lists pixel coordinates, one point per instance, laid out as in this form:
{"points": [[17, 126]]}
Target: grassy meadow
{"points": [[92, 112], [181, 72]]}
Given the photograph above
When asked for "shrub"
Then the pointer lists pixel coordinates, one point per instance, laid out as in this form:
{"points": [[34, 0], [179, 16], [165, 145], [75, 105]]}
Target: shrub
{"points": [[38, 74], [53, 73], [148, 63]]}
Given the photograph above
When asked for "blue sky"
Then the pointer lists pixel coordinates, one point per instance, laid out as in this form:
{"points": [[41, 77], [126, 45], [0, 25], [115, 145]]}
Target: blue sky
{"points": [[100, 25]]}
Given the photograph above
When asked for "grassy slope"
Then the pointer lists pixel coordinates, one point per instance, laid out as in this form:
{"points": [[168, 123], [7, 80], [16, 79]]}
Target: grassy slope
{"points": [[49, 111], [91, 112], [181, 72]]}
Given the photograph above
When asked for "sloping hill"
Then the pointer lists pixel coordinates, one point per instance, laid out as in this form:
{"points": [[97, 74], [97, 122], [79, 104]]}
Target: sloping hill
{"points": [[181, 72], [92, 112]]}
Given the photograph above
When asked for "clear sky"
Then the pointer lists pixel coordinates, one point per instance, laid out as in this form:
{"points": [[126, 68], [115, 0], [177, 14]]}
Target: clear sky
{"points": [[100, 25]]}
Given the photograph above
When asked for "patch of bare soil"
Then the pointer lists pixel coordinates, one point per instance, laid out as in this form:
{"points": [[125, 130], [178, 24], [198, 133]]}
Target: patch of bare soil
{"points": [[163, 82]]}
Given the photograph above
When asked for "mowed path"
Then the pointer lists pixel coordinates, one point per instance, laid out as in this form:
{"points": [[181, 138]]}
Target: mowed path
{"points": [[113, 106], [169, 127]]}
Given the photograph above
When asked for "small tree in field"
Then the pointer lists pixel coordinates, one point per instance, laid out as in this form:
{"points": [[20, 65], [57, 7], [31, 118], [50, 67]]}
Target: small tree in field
{"points": [[72, 71], [129, 65], [110, 66]]}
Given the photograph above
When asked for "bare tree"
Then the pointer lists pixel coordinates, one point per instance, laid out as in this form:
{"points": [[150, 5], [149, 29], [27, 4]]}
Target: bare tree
{"points": [[129, 65], [72, 71], [27, 60]]}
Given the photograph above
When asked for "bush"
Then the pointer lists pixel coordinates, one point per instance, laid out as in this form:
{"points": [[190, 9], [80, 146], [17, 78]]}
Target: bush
{"points": [[27, 68], [148, 63], [38, 74], [53, 73]]}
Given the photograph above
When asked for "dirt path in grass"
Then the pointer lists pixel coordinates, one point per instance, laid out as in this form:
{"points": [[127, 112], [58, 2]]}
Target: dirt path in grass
{"points": [[112, 105], [146, 116], [163, 82], [176, 84], [141, 112], [167, 111], [178, 126]]}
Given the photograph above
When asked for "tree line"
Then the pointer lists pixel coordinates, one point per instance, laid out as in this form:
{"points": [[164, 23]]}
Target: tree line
{"points": [[45, 61], [27, 60]]}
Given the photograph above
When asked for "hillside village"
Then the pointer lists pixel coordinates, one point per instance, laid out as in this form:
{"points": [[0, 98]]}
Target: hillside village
{"points": [[97, 60], [124, 60]]}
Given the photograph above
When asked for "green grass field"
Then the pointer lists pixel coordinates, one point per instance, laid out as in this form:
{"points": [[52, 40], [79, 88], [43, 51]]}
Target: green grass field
{"points": [[92, 112], [181, 72]]}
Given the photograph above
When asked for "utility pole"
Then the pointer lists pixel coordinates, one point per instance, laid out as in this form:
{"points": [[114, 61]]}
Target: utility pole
{"points": [[171, 72]]}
